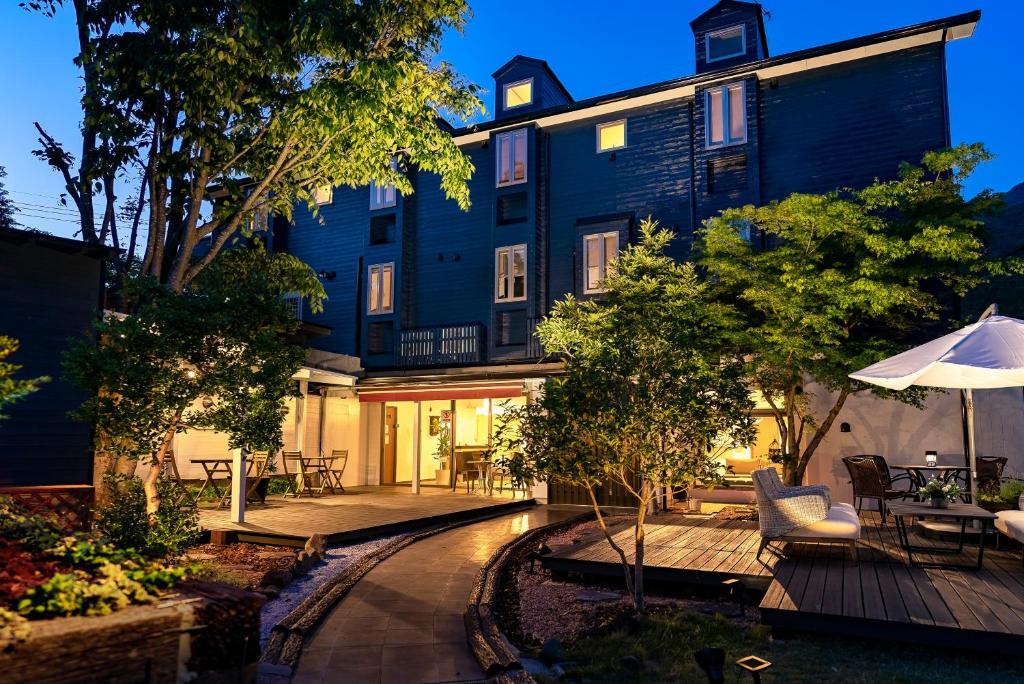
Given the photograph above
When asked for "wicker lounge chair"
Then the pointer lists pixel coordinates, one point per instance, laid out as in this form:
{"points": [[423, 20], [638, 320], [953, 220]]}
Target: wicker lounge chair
{"points": [[802, 514]]}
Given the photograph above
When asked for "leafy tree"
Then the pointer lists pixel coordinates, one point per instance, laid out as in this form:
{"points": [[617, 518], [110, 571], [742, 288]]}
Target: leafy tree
{"points": [[12, 390], [7, 208], [219, 355], [646, 400], [832, 283], [267, 100]]}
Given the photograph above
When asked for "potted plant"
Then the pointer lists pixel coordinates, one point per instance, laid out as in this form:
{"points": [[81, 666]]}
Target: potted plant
{"points": [[443, 452], [1006, 498], [940, 493]]}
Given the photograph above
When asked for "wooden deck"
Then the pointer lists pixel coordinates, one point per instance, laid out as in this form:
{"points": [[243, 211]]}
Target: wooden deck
{"points": [[679, 549], [361, 513], [818, 588]]}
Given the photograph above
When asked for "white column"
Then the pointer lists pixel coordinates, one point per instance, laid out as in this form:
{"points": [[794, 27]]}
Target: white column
{"points": [[238, 487], [416, 449], [300, 418]]}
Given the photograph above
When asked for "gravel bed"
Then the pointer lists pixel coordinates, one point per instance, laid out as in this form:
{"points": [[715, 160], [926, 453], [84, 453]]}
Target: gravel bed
{"points": [[336, 561]]}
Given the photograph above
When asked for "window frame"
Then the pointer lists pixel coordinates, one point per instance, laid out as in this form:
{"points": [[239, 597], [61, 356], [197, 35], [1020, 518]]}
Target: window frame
{"points": [[390, 196], [380, 309], [511, 135], [330, 195], [727, 139], [711, 34], [608, 124], [600, 237], [504, 94], [510, 277]]}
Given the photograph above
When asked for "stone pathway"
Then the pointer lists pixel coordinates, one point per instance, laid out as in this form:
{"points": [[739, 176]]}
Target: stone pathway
{"points": [[402, 622]]}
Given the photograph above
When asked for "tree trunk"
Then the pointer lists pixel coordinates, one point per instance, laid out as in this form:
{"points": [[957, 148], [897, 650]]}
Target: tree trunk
{"points": [[626, 570], [638, 569], [819, 435], [149, 485]]}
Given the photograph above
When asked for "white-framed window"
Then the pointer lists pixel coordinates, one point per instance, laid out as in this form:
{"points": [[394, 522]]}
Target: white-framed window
{"points": [[510, 273], [725, 43], [293, 300], [323, 195], [725, 115], [382, 196], [599, 250], [510, 155], [611, 135], [380, 288], [518, 94]]}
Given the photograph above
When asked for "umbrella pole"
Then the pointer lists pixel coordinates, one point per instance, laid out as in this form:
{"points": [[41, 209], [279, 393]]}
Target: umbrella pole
{"points": [[971, 454]]}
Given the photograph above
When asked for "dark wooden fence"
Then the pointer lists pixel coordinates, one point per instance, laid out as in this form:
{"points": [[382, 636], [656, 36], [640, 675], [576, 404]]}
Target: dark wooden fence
{"points": [[440, 345], [70, 506]]}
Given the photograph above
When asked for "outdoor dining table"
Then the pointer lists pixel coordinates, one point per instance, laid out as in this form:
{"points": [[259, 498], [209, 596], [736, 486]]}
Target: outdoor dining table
{"points": [[221, 465], [962, 512], [309, 465], [918, 477]]}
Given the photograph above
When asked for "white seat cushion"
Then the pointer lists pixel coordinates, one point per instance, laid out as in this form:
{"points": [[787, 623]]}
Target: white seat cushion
{"points": [[1011, 523], [842, 522]]}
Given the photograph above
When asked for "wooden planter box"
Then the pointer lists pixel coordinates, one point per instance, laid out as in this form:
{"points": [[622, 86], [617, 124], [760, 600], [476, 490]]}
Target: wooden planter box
{"points": [[207, 629], [996, 506]]}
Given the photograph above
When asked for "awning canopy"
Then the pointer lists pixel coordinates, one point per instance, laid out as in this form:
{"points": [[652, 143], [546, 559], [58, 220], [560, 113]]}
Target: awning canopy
{"points": [[324, 377], [435, 392]]}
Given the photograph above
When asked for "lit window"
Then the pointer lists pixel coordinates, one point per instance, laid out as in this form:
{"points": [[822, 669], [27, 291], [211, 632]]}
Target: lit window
{"points": [[379, 288], [510, 274], [599, 251], [323, 195], [730, 42], [611, 135], [511, 157], [726, 115], [519, 94]]}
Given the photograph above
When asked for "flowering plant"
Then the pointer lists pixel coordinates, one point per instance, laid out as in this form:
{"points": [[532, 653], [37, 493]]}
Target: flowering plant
{"points": [[937, 489]]}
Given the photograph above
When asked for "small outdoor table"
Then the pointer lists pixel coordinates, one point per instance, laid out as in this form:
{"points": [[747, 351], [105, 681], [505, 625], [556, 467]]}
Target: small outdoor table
{"points": [[965, 513], [483, 468], [307, 466], [212, 466]]}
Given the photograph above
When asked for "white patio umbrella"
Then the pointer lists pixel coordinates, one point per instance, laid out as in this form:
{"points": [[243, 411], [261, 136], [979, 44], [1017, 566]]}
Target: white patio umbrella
{"points": [[988, 354]]}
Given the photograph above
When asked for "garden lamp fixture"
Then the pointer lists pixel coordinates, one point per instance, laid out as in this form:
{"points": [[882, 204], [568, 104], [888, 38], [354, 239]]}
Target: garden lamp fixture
{"points": [[755, 666]]}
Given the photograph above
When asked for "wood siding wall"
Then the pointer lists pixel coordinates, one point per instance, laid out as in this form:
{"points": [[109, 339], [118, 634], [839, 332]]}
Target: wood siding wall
{"points": [[46, 298]]}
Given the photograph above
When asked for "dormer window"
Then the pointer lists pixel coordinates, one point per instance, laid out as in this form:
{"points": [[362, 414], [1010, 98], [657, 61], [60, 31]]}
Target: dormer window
{"points": [[725, 114], [519, 94], [726, 43]]}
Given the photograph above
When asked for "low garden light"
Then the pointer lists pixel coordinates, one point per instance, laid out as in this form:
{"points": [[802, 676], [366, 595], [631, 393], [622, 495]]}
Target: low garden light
{"points": [[712, 662], [755, 666], [542, 550], [734, 590]]}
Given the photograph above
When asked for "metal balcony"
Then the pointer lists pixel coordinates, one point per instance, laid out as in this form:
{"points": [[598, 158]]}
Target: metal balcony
{"points": [[441, 345]]}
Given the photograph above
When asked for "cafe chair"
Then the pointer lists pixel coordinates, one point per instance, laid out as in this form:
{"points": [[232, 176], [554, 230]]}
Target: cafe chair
{"points": [[871, 482]]}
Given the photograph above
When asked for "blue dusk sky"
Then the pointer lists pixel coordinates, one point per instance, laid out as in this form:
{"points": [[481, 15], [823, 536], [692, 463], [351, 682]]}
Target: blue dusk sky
{"points": [[595, 47]]}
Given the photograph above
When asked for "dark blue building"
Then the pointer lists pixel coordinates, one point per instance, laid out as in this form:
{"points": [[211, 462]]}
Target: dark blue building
{"points": [[560, 185]]}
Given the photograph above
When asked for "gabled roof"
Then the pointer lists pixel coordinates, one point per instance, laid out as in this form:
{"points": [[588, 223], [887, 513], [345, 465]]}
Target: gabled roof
{"points": [[738, 5], [951, 28], [520, 59], [16, 236]]}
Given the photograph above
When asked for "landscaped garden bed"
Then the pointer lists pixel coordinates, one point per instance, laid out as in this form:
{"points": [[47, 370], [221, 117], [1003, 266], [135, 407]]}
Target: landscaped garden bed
{"points": [[584, 631]]}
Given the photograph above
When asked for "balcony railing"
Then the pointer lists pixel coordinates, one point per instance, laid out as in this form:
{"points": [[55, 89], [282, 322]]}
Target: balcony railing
{"points": [[441, 345], [534, 350]]}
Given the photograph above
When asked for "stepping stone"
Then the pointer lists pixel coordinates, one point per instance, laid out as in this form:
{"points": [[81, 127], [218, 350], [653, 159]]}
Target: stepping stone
{"points": [[594, 596]]}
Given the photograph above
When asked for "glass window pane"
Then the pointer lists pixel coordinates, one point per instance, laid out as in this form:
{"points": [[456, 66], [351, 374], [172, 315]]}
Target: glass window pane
{"points": [[520, 155], [737, 114], [386, 289], [502, 283], [611, 250], [612, 136], [715, 117], [504, 159], [374, 289], [519, 273], [518, 94], [727, 43]]}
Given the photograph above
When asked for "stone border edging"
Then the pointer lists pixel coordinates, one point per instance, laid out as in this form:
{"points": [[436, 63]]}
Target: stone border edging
{"points": [[497, 657], [284, 647]]}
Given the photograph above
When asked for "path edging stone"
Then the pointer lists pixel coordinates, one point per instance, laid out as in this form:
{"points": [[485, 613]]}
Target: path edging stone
{"points": [[498, 658]]}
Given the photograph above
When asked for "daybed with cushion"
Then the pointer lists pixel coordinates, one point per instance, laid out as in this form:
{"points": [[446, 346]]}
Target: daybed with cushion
{"points": [[1011, 523], [802, 514]]}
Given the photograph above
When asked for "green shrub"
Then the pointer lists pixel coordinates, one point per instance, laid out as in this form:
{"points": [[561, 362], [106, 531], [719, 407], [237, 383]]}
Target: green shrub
{"points": [[277, 485], [124, 521], [1009, 492]]}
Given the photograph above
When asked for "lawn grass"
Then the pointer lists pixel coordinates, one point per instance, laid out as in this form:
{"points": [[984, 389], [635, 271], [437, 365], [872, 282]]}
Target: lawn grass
{"points": [[667, 640]]}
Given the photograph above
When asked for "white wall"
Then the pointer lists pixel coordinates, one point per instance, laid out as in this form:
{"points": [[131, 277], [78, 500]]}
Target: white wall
{"points": [[902, 433]]}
